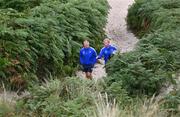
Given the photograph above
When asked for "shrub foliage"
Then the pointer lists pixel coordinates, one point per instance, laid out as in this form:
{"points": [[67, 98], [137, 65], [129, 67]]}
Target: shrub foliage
{"points": [[72, 97], [42, 37], [157, 55]]}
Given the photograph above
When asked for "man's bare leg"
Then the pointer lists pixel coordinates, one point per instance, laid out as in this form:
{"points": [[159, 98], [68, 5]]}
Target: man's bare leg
{"points": [[88, 75]]}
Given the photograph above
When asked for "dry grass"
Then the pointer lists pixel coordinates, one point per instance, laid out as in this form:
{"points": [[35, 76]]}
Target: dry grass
{"points": [[7, 105], [147, 108], [105, 108]]}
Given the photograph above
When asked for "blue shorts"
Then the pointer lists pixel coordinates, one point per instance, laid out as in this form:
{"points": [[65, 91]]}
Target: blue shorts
{"points": [[88, 68]]}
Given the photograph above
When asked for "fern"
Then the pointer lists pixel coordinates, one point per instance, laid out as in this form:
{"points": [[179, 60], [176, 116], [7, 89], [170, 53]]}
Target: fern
{"points": [[156, 57], [45, 36]]}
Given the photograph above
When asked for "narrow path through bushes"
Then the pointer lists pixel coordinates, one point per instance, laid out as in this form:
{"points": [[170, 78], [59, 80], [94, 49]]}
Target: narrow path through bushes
{"points": [[116, 30]]}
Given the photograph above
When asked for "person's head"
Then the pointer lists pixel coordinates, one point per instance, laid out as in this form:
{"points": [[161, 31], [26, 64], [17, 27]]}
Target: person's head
{"points": [[86, 43], [106, 42]]}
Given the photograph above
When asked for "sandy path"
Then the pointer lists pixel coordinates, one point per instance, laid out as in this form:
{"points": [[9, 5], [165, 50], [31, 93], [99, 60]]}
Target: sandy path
{"points": [[116, 29]]}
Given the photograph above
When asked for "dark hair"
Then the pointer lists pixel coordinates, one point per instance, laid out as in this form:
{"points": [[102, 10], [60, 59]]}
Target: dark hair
{"points": [[84, 41]]}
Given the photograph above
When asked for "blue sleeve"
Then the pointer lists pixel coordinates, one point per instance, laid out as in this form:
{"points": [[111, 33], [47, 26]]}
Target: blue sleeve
{"points": [[81, 57], [114, 50], [101, 54]]}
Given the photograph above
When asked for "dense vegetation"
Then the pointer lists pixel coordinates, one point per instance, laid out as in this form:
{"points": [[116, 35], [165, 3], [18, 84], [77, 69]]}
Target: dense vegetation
{"points": [[43, 37], [156, 59], [70, 98], [75, 97]]}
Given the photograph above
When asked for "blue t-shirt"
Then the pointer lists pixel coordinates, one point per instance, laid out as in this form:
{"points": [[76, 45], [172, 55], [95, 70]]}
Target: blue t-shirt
{"points": [[88, 56], [106, 52]]}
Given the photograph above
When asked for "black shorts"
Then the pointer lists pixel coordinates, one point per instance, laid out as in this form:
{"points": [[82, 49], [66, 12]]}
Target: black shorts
{"points": [[88, 68]]}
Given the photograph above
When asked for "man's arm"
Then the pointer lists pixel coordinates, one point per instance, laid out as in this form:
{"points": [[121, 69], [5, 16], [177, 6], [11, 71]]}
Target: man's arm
{"points": [[114, 49], [101, 54]]}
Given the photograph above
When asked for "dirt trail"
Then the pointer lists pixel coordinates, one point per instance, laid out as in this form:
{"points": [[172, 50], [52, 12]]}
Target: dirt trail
{"points": [[116, 30]]}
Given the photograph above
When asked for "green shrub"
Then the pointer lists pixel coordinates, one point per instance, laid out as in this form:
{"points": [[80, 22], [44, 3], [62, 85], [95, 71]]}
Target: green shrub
{"points": [[19, 5], [117, 91], [134, 75], [70, 97], [40, 37], [172, 102], [157, 55]]}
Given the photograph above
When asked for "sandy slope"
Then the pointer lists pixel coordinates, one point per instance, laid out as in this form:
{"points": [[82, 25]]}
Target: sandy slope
{"points": [[116, 28]]}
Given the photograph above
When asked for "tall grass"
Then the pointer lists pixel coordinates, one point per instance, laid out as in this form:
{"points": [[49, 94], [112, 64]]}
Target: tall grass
{"points": [[74, 97], [7, 105], [105, 108], [138, 108]]}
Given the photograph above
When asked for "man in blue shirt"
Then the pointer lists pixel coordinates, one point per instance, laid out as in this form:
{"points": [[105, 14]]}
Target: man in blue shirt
{"points": [[107, 51], [87, 58]]}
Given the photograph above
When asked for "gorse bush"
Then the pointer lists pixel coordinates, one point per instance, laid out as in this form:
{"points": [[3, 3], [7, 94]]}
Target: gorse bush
{"points": [[42, 37], [157, 55]]}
